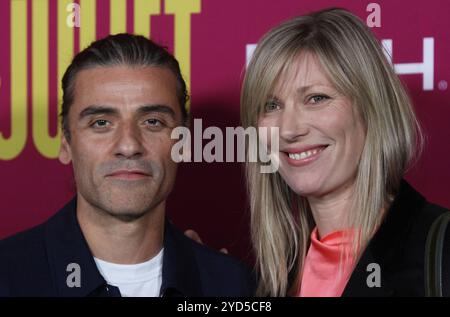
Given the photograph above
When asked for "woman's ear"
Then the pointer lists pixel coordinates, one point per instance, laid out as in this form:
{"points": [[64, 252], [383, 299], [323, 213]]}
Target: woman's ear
{"points": [[65, 154]]}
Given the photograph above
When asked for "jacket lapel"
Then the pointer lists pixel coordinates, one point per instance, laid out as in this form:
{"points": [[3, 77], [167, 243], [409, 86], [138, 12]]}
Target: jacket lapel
{"points": [[68, 251], [387, 246]]}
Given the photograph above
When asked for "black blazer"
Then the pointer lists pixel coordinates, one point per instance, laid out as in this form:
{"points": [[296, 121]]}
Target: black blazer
{"points": [[35, 263], [399, 249]]}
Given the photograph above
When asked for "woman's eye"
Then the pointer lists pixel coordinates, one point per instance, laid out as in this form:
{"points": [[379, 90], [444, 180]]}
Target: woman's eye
{"points": [[318, 98], [271, 106]]}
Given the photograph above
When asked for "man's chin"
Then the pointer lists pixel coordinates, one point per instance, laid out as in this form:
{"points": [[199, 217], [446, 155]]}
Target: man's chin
{"points": [[125, 212], [127, 216]]}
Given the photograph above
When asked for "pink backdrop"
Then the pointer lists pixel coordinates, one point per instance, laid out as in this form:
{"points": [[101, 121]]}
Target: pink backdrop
{"points": [[211, 197]]}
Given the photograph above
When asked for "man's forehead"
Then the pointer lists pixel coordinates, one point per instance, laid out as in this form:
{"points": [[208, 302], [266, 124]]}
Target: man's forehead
{"points": [[122, 86], [122, 74]]}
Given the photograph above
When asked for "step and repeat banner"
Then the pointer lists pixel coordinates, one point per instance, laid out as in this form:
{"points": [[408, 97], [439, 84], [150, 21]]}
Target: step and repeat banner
{"points": [[213, 40]]}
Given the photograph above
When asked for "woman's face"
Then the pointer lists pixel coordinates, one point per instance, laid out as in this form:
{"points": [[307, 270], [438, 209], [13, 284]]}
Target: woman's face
{"points": [[321, 133]]}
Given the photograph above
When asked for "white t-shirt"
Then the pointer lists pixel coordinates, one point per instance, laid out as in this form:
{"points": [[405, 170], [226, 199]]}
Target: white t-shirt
{"points": [[134, 280]]}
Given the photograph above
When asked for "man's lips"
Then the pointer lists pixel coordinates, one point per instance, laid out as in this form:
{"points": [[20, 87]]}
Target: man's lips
{"points": [[129, 174]]}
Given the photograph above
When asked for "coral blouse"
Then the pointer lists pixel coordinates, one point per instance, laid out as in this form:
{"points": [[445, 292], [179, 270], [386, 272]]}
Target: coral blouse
{"points": [[327, 270]]}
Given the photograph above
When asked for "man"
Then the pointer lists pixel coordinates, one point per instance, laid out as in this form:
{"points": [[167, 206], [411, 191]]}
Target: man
{"points": [[123, 95]]}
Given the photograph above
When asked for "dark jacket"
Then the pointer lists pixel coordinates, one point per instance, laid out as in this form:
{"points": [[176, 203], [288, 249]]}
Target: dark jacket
{"points": [[399, 249], [35, 263]]}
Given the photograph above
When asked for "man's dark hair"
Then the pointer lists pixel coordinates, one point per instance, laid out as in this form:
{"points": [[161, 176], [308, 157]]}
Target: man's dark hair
{"points": [[120, 49]]}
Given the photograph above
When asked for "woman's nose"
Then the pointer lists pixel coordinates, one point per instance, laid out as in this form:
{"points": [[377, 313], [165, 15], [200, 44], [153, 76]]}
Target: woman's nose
{"points": [[292, 123]]}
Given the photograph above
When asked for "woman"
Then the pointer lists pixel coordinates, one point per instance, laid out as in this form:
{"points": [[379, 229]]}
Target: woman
{"points": [[337, 219]]}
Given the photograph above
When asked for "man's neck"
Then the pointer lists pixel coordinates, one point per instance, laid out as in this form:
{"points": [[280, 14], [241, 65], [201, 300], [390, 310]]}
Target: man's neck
{"points": [[113, 240]]}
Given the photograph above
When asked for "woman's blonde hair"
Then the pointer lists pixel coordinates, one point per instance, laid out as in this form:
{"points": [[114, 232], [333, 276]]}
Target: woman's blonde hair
{"points": [[281, 221]]}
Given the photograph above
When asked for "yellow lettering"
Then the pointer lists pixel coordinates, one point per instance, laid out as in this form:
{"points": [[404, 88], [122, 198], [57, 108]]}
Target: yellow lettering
{"points": [[118, 16], [66, 46], [143, 9], [88, 18], [182, 9], [47, 145], [11, 148]]}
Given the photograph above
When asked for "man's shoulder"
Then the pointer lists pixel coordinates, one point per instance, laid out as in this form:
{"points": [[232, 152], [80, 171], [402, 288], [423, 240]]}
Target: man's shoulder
{"points": [[24, 266], [24, 243], [34, 239], [217, 268], [217, 260]]}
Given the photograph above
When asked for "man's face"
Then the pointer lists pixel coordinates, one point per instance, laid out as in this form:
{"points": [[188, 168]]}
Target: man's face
{"points": [[120, 123]]}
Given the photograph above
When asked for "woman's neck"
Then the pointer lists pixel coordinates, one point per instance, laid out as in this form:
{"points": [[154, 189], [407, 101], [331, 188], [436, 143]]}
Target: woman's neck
{"points": [[330, 211]]}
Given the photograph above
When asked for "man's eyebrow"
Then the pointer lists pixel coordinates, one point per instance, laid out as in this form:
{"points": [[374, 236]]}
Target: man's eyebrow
{"points": [[142, 110], [145, 109], [97, 109]]}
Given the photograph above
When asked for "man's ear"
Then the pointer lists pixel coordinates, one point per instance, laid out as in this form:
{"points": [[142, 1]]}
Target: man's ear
{"points": [[65, 154]]}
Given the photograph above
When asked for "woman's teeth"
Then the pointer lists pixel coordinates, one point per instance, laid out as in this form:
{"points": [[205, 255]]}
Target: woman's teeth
{"points": [[303, 155]]}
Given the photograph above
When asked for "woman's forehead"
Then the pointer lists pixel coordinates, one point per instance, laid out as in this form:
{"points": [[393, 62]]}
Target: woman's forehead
{"points": [[303, 72]]}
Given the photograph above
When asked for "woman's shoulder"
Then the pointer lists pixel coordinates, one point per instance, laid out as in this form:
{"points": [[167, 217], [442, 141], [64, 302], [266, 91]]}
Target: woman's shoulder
{"points": [[428, 236], [422, 212], [398, 247]]}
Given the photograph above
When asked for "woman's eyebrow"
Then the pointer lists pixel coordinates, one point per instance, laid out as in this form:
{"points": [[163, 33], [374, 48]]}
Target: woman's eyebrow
{"points": [[303, 89]]}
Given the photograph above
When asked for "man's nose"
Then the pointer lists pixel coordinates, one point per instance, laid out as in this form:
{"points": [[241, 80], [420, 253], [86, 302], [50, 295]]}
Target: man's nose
{"points": [[292, 123], [129, 142]]}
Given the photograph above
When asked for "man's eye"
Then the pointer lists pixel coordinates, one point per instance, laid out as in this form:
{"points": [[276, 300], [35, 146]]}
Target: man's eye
{"points": [[271, 106], [154, 122], [100, 123], [318, 98]]}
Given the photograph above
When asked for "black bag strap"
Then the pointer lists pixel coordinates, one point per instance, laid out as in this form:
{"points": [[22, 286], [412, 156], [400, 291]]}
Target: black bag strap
{"points": [[433, 256]]}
